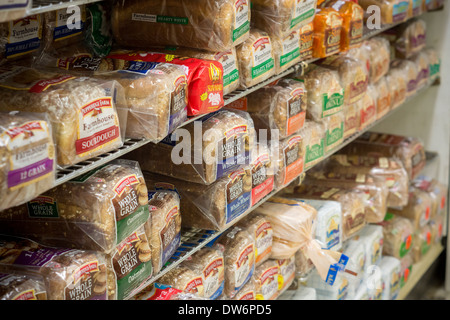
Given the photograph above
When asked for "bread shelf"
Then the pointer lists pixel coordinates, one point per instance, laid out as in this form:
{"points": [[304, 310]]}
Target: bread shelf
{"points": [[193, 240], [41, 6]]}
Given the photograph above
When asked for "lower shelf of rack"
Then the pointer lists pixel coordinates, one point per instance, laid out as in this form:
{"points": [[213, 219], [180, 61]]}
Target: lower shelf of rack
{"points": [[419, 269]]}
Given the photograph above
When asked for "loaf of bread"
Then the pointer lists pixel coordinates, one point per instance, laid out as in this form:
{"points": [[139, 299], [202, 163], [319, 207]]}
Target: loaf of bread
{"points": [[21, 39], [28, 157], [434, 61], [67, 274], [306, 41], [409, 150], [367, 108], [397, 86], [209, 263], [415, 8], [289, 160], [352, 119], [211, 25], [86, 114], [409, 71], [423, 68], [183, 278], [313, 134], [353, 75], [356, 253], [383, 100], [303, 265], [279, 107], [437, 191], [406, 264], [390, 273], [260, 228], [340, 290], [437, 228], [379, 57], [372, 238], [286, 274], [263, 173], [256, 58], [327, 32], [213, 147], [398, 235], [266, 276], [247, 292], [324, 90], [392, 11], [334, 131], [164, 225], [238, 248], [286, 50], [361, 53], [22, 287], [408, 39], [212, 207], [422, 242], [280, 17], [352, 24], [96, 211]]}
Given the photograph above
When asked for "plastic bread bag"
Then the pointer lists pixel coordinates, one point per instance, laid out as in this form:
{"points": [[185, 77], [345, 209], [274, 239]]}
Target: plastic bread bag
{"points": [[409, 71], [334, 131], [352, 119], [21, 39], [214, 26], [437, 191], [410, 150], [361, 53], [422, 242], [280, 17], [406, 264], [67, 274], [204, 77], [397, 86], [289, 160], [87, 115], [209, 263], [164, 225], [212, 207], [324, 90], [357, 259], [303, 265], [352, 202], [238, 247], [313, 134], [22, 287], [14, 10], [286, 50], [398, 235], [328, 224], [292, 223], [367, 108], [392, 11], [256, 57], [423, 69], [183, 278], [261, 230], [247, 292], [430, 5], [202, 151], [353, 75], [266, 277], [382, 94], [263, 173], [372, 239], [28, 157], [437, 226], [409, 38], [415, 8], [279, 107], [327, 32], [306, 41], [286, 274], [340, 290], [379, 57], [352, 24], [95, 211], [374, 187], [390, 273], [434, 61]]}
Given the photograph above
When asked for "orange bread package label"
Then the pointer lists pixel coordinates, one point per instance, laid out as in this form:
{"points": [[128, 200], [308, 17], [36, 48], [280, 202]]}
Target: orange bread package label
{"points": [[306, 42]]}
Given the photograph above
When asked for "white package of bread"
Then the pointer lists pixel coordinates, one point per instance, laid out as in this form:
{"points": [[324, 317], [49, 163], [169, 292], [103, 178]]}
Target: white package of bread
{"points": [[290, 162], [263, 173], [367, 108], [392, 11], [334, 131], [280, 17], [260, 228], [256, 58], [357, 259], [328, 229], [266, 276], [352, 119], [409, 71], [22, 287], [286, 50], [210, 25], [95, 211], [87, 115], [398, 235], [391, 274], [423, 241], [379, 57], [397, 85], [286, 273], [325, 92], [423, 68], [434, 61], [279, 107], [67, 274], [28, 160], [213, 207], [313, 133], [202, 151], [208, 262], [372, 239], [238, 247], [340, 290], [164, 225], [185, 279], [383, 98]]}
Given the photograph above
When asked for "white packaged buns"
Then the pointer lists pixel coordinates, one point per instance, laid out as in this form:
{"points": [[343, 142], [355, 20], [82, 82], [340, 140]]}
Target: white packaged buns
{"points": [[86, 114], [256, 58], [64, 271], [28, 157], [356, 253], [266, 277], [22, 287], [183, 278], [211, 25], [313, 134], [398, 235]]}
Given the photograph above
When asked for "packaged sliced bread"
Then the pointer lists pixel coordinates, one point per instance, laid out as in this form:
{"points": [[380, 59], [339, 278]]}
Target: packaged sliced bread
{"points": [[409, 71], [423, 68], [392, 11], [352, 24], [352, 119], [183, 278], [397, 85], [306, 41], [383, 99], [266, 276], [290, 160], [286, 273], [313, 134], [22, 287], [367, 108], [423, 240], [398, 233], [436, 189], [327, 32], [334, 131], [434, 61]]}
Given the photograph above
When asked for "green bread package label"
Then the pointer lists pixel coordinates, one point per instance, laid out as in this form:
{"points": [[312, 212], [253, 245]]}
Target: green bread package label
{"points": [[332, 104]]}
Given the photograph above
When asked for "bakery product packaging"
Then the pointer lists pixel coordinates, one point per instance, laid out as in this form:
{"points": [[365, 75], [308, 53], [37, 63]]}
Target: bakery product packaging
{"points": [[256, 58], [437, 191], [409, 71], [357, 259], [334, 131], [371, 237], [423, 240], [415, 8], [338, 291], [185, 279], [327, 32], [289, 160], [303, 265], [306, 41], [379, 57], [408, 39], [266, 276], [95, 211], [391, 274], [29, 160], [286, 50], [22, 287], [210, 25], [367, 109], [352, 119], [397, 84], [202, 151], [87, 115], [261, 230], [406, 264], [247, 292], [434, 61], [423, 68], [14, 10], [286, 273], [383, 99], [67, 274], [328, 229], [313, 134], [280, 17], [437, 228], [279, 107], [398, 235], [263, 173], [392, 11]]}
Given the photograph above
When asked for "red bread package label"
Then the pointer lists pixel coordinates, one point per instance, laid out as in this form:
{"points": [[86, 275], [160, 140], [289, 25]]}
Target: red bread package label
{"points": [[205, 79]]}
